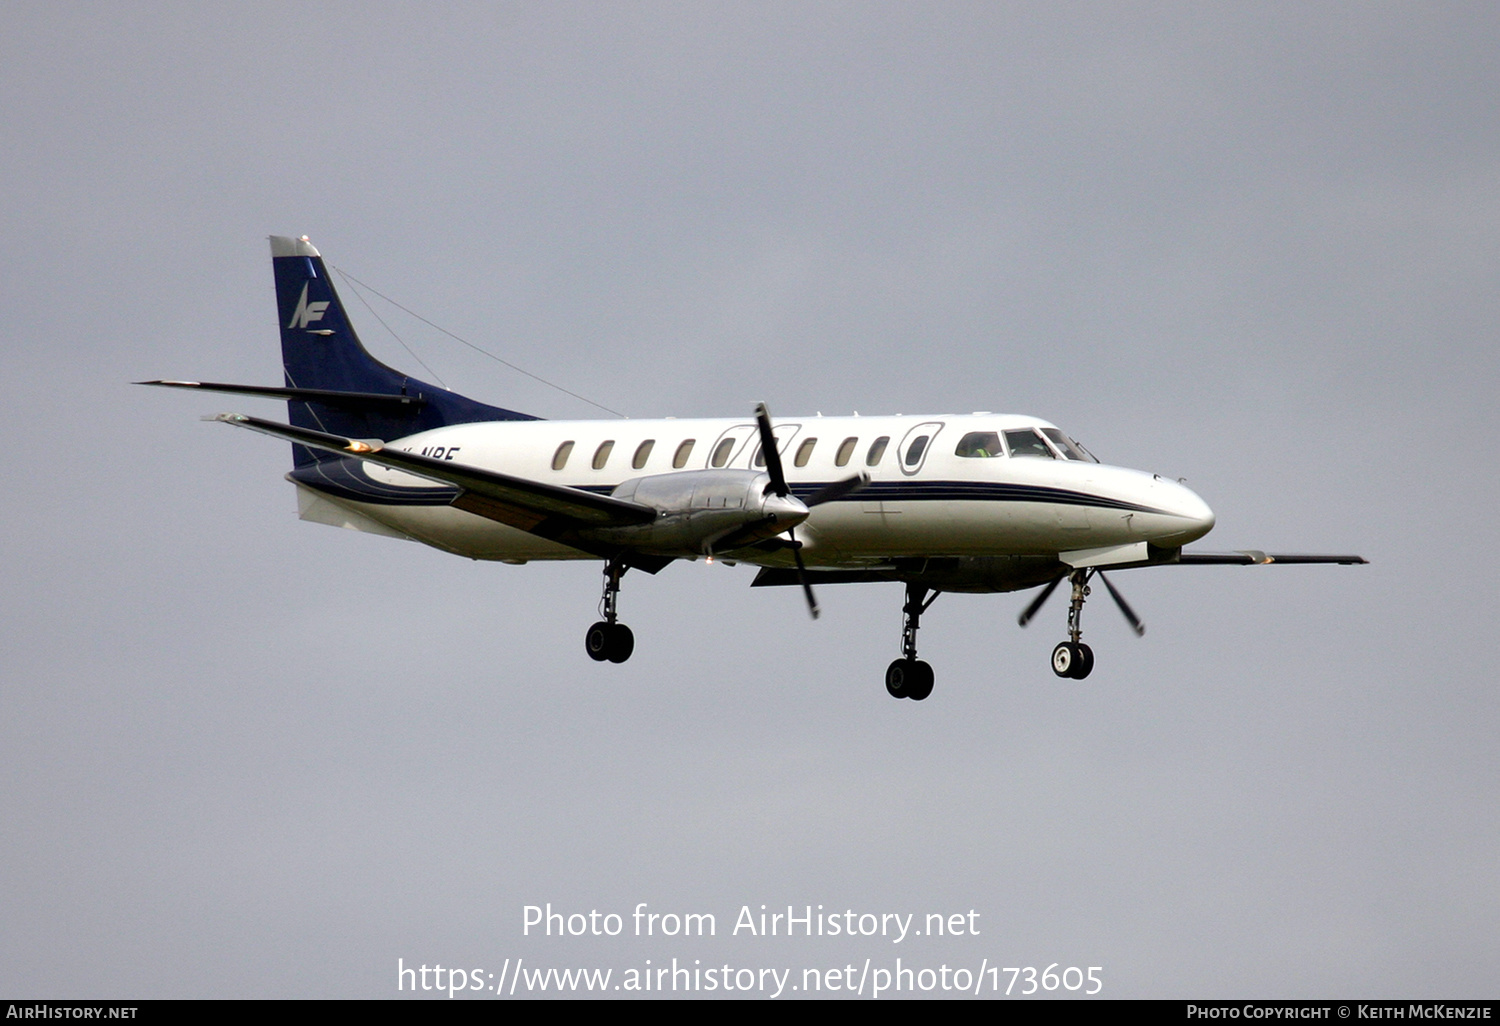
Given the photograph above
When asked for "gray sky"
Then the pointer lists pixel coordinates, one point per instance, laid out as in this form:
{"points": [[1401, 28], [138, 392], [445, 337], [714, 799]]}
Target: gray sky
{"points": [[1253, 246]]}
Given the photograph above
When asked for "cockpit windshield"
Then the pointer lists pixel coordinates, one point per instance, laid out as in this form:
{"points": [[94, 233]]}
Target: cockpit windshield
{"points": [[1046, 443], [1069, 448], [1026, 442]]}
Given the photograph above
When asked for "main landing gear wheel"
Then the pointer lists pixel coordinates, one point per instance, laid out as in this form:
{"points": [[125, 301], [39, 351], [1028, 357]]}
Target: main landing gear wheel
{"points": [[909, 678], [1073, 659], [611, 641]]}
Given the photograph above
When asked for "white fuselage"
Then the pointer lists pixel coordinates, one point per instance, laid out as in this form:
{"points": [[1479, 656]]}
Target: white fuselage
{"points": [[923, 499]]}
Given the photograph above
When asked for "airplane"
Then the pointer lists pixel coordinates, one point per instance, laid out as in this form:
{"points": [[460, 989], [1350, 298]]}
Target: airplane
{"points": [[977, 502]]}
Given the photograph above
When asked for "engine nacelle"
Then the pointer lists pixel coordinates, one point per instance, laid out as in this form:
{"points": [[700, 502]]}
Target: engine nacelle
{"points": [[704, 511]]}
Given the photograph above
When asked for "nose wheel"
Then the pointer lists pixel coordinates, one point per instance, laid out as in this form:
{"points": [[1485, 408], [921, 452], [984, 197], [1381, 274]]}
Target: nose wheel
{"points": [[607, 639], [910, 677], [1073, 660]]}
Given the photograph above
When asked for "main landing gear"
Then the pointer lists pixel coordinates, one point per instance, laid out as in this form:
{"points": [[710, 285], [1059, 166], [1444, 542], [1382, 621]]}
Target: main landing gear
{"points": [[910, 677], [608, 639]]}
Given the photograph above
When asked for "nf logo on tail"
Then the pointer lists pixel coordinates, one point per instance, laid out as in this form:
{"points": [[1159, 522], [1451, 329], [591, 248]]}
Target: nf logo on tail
{"points": [[306, 312]]}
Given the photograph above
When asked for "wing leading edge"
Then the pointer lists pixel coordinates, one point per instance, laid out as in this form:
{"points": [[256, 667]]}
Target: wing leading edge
{"points": [[1252, 557]]}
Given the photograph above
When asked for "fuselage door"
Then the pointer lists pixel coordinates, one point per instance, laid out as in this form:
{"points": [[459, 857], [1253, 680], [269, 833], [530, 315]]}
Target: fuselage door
{"points": [[728, 446], [915, 445], [783, 433]]}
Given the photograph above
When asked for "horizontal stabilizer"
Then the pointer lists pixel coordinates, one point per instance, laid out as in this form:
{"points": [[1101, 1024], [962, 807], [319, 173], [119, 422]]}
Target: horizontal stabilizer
{"points": [[324, 396]]}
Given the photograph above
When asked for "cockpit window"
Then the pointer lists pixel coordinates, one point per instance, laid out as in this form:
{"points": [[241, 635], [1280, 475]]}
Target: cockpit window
{"points": [[1026, 442], [1069, 448], [877, 450], [981, 445]]}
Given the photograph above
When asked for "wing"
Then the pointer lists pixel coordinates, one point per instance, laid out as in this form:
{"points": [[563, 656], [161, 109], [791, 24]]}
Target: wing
{"points": [[1251, 557], [555, 512]]}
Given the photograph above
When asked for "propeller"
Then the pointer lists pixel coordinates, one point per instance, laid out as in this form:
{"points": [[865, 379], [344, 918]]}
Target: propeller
{"points": [[1036, 604], [768, 451], [837, 490], [828, 493], [1131, 618]]}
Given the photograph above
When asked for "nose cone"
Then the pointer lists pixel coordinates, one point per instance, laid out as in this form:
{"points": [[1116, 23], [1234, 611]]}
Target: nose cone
{"points": [[1194, 518]]}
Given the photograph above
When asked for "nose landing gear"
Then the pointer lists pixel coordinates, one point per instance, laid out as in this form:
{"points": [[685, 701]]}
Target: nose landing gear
{"points": [[1073, 658], [608, 639], [910, 677]]}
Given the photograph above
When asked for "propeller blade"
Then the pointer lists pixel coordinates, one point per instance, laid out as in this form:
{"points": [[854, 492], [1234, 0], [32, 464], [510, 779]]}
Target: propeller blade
{"points": [[769, 452], [1037, 603], [812, 602], [837, 490], [1135, 621]]}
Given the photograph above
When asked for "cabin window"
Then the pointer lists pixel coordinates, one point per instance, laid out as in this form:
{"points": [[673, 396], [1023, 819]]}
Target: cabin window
{"points": [[982, 445], [560, 458], [680, 457], [846, 449], [642, 453], [721, 452], [804, 452], [601, 454], [915, 450], [1069, 448], [1026, 442], [877, 450]]}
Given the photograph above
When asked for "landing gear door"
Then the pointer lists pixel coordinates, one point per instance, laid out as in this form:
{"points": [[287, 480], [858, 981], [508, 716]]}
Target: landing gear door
{"points": [[915, 445]]}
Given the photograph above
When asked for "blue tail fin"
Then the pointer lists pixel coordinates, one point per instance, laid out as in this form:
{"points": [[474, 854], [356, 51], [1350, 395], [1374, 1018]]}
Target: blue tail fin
{"points": [[319, 350]]}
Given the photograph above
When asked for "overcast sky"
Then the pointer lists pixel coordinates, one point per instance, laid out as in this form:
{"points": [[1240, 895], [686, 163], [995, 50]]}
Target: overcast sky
{"points": [[1250, 245]]}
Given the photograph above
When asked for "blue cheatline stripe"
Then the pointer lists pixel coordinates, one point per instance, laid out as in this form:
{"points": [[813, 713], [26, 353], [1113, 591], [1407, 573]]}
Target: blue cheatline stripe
{"points": [[346, 479]]}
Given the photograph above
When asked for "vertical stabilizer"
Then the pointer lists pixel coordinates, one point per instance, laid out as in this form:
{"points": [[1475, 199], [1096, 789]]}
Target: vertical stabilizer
{"points": [[319, 349]]}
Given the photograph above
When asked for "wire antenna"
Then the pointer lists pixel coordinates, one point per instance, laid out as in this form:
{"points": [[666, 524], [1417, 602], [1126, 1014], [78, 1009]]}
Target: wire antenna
{"points": [[478, 349], [361, 296]]}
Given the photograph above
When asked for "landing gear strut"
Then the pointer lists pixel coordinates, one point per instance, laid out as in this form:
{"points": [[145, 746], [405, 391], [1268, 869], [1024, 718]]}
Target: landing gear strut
{"points": [[1073, 658], [608, 639], [910, 677]]}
